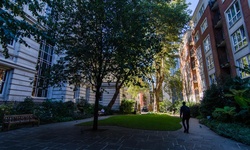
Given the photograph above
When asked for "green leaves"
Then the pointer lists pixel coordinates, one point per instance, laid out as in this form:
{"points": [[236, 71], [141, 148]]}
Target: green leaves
{"points": [[239, 98], [12, 27]]}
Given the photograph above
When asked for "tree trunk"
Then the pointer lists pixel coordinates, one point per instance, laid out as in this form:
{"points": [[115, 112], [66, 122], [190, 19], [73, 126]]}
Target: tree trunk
{"points": [[97, 97], [155, 101], [111, 103], [117, 91], [158, 86], [157, 97]]}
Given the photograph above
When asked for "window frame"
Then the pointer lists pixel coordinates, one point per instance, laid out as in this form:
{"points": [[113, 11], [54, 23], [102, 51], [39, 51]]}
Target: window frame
{"points": [[239, 39], [241, 64], [199, 53], [212, 79], [196, 37], [87, 94], [44, 61], [76, 94], [205, 44], [203, 29], [4, 81], [201, 10], [233, 18], [210, 62]]}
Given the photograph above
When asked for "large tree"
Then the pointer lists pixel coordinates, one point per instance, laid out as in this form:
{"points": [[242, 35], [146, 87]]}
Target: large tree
{"points": [[99, 41], [169, 20], [16, 25]]}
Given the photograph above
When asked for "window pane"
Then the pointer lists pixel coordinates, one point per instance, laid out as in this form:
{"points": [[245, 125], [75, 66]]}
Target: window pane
{"points": [[2, 79], [40, 88]]}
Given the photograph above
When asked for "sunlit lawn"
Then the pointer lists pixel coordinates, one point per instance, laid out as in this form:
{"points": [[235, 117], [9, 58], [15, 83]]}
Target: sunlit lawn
{"points": [[161, 122]]}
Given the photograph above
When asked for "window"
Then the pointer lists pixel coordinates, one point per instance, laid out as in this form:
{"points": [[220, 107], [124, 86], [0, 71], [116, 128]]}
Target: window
{"points": [[239, 38], [204, 25], [244, 63], [210, 62], [101, 98], [40, 87], [77, 94], [212, 79], [233, 13], [3, 78], [199, 55], [201, 69], [206, 44], [201, 11], [204, 84], [87, 94], [195, 21], [196, 37]]}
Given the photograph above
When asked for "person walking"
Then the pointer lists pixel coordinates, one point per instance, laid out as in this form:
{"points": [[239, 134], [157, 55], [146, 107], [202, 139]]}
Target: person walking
{"points": [[185, 115]]}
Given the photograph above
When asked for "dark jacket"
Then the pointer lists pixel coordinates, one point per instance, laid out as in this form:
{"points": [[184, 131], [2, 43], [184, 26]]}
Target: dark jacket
{"points": [[185, 112]]}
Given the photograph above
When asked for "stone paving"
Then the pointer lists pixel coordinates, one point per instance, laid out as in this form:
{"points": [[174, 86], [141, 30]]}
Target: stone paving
{"points": [[67, 136]]}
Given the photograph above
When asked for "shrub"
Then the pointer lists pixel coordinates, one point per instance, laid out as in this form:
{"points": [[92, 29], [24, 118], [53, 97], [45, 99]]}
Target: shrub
{"points": [[194, 109], [84, 107], [238, 132], [54, 111], [26, 107], [213, 98], [225, 114], [6, 108], [44, 112], [242, 116], [127, 106], [165, 105]]}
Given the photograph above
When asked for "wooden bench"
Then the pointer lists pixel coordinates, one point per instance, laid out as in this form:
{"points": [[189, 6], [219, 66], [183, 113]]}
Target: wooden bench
{"points": [[9, 120]]}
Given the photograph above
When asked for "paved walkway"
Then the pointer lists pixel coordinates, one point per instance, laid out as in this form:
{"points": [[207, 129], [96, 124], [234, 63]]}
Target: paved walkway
{"points": [[66, 136]]}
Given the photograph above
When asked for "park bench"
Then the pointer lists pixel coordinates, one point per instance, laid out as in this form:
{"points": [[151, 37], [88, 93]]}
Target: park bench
{"points": [[9, 120]]}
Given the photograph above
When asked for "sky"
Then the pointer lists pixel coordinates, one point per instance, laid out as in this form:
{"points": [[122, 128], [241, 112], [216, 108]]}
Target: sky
{"points": [[193, 4]]}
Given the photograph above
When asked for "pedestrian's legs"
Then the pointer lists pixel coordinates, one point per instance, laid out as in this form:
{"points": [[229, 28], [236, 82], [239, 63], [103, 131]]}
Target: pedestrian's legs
{"points": [[187, 122], [183, 123]]}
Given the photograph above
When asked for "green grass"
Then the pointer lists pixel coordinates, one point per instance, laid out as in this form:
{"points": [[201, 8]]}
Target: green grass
{"points": [[160, 122]]}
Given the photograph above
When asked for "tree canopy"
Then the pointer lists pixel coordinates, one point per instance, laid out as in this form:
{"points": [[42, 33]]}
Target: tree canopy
{"points": [[102, 41]]}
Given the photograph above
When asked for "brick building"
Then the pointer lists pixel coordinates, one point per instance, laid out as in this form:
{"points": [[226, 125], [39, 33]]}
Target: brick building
{"points": [[217, 45]]}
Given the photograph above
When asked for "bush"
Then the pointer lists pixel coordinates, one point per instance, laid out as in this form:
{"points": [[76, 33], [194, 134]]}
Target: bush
{"points": [[225, 114], [173, 107], [194, 109], [213, 98], [6, 109], [242, 116], [26, 107], [55, 111], [127, 106], [84, 107], [238, 132]]}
